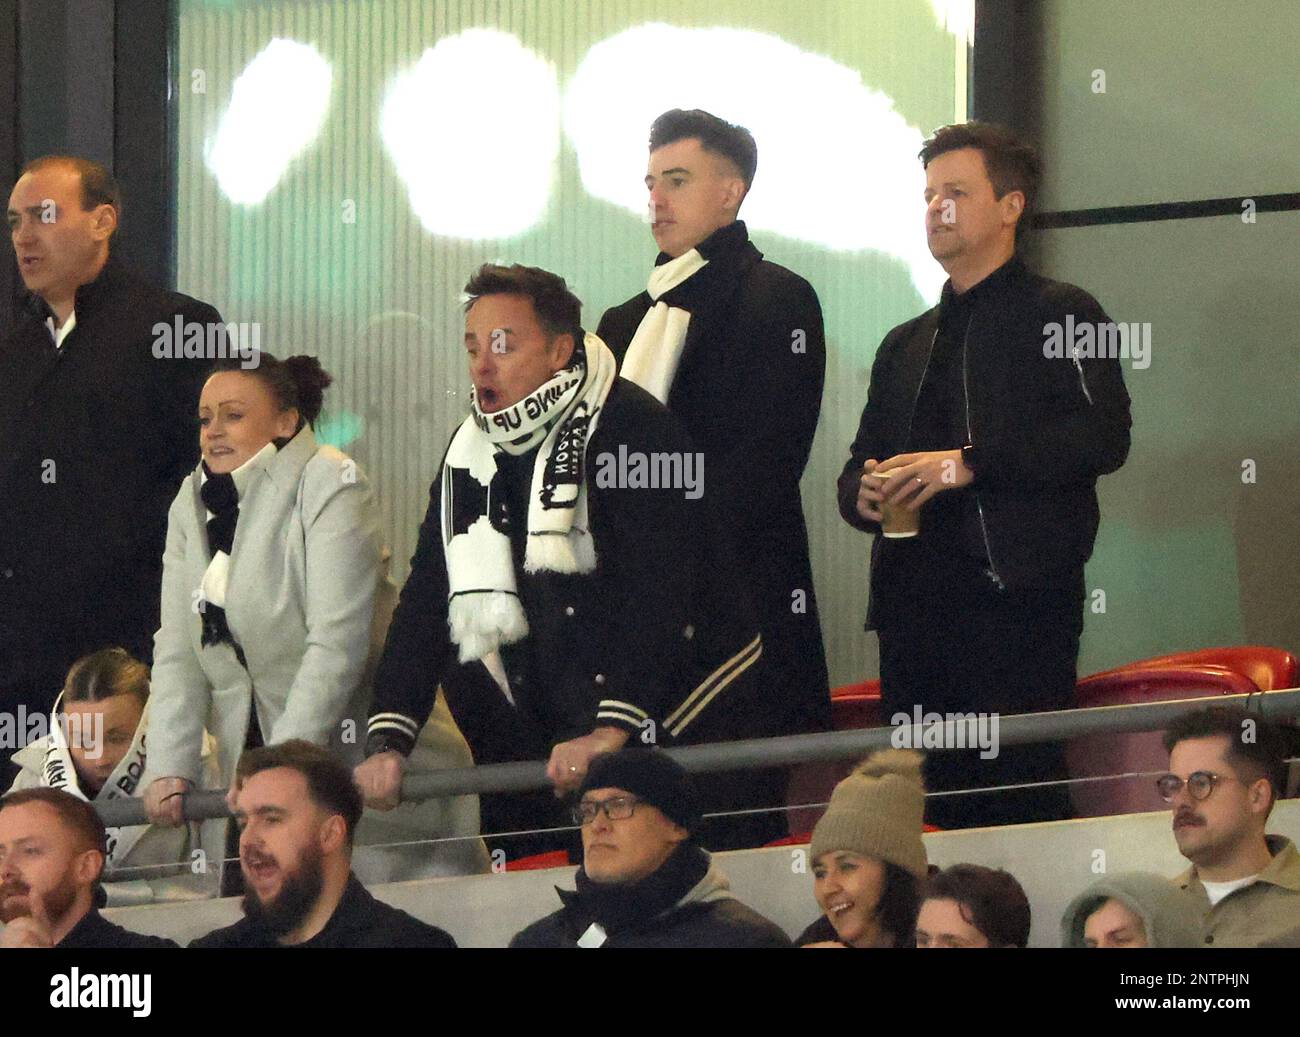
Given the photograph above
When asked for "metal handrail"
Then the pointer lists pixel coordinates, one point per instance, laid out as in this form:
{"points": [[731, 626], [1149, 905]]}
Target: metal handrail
{"points": [[785, 750]]}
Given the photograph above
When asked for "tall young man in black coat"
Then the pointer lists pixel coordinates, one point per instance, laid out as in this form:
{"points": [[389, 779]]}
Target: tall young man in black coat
{"points": [[734, 346], [997, 437], [96, 432], [569, 590]]}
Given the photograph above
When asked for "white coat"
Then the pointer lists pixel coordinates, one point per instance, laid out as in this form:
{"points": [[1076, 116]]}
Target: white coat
{"points": [[308, 599]]}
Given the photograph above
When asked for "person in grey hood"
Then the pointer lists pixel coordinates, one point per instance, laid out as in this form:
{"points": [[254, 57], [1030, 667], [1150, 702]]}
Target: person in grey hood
{"points": [[1133, 909], [644, 882]]}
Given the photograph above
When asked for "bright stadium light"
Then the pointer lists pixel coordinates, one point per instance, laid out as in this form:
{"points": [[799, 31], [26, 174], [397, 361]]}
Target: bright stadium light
{"points": [[958, 17], [837, 164], [277, 108], [474, 131]]}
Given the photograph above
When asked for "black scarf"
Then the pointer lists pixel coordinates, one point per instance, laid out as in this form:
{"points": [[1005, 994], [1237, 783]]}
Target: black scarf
{"points": [[220, 497], [621, 906], [730, 253]]}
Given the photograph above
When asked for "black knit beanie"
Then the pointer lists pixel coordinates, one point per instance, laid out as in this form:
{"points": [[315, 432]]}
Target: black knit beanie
{"points": [[653, 777]]}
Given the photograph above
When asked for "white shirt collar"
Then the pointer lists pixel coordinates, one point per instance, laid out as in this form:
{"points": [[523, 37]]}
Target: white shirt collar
{"points": [[59, 334]]}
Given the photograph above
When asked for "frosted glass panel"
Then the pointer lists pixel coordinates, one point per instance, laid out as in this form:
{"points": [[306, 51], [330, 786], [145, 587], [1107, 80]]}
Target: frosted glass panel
{"points": [[344, 166]]}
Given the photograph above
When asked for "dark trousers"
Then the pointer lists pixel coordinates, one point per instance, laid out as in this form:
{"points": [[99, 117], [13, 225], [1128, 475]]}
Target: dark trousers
{"points": [[997, 652]]}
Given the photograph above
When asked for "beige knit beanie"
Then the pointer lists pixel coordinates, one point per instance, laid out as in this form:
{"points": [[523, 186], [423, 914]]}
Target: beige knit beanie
{"points": [[877, 811]]}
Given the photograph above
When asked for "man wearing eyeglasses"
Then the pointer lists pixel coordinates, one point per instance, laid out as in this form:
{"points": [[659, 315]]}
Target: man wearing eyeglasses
{"points": [[644, 882], [1227, 768]]}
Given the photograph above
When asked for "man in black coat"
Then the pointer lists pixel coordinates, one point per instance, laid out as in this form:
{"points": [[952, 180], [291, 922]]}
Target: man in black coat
{"points": [[995, 429], [570, 590], [644, 881], [734, 346], [52, 852], [97, 429], [298, 810]]}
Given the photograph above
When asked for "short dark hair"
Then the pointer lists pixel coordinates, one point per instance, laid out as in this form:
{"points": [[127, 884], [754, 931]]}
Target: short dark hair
{"points": [[717, 136], [73, 811], [329, 782], [1011, 163], [297, 382], [1264, 757], [98, 185], [899, 903], [990, 899], [558, 310], [103, 674]]}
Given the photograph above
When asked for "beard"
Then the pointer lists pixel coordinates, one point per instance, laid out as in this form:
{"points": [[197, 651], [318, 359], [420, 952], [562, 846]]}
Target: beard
{"points": [[57, 902], [299, 892]]}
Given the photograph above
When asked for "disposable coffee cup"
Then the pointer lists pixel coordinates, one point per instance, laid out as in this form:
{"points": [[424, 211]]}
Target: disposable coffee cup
{"points": [[896, 521]]}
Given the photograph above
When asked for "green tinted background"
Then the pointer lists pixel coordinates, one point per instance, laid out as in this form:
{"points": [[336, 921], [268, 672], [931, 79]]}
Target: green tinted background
{"points": [[377, 299]]}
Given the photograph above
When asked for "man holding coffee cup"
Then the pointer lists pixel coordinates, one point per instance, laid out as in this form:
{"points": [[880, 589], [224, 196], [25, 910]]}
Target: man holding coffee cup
{"points": [[976, 459]]}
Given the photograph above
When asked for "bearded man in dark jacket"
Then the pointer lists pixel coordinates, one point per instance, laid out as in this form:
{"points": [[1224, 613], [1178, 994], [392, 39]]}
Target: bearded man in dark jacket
{"points": [[993, 414], [644, 881]]}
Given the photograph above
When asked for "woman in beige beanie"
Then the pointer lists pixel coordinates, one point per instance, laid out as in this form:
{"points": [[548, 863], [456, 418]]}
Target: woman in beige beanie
{"points": [[867, 856]]}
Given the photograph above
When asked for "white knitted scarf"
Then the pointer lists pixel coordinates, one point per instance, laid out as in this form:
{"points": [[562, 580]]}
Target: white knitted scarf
{"points": [[483, 602], [656, 348]]}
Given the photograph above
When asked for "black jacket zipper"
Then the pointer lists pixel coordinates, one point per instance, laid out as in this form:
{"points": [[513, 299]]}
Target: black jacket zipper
{"points": [[907, 437], [970, 438]]}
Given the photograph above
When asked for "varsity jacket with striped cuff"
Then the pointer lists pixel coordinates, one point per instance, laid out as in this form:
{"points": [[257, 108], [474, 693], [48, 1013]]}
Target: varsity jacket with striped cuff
{"points": [[656, 641]]}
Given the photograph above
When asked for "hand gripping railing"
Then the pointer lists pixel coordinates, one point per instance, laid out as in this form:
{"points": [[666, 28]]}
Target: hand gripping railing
{"points": [[1018, 729]]}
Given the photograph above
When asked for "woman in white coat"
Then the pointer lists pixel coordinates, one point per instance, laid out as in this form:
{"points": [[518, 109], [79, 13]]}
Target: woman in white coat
{"points": [[275, 595]]}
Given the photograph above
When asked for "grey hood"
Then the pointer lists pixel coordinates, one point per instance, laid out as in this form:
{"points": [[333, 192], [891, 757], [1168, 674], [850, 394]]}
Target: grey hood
{"points": [[1171, 918]]}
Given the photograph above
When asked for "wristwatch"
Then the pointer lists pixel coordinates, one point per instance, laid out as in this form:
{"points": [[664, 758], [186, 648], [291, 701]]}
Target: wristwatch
{"points": [[970, 458]]}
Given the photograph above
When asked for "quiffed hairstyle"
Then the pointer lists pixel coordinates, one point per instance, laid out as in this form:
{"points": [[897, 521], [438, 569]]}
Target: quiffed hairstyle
{"points": [[103, 674], [989, 899], [329, 782], [558, 310], [296, 382], [1264, 757], [98, 185], [717, 136], [1011, 164]]}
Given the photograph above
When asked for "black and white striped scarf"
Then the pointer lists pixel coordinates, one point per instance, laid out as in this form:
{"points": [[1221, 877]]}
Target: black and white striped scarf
{"points": [[483, 602], [221, 495]]}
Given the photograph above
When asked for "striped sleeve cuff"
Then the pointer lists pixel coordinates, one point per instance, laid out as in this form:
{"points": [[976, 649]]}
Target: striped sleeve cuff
{"points": [[391, 731], [615, 713]]}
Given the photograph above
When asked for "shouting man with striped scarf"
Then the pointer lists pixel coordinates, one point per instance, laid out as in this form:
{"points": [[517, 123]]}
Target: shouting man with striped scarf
{"points": [[566, 604]]}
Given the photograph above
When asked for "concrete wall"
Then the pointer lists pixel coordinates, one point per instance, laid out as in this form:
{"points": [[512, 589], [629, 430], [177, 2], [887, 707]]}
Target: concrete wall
{"points": [[1053, 862]]}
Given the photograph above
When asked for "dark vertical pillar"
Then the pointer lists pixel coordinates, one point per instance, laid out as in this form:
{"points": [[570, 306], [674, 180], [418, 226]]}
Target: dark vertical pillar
{"points": [[9, 158], [1006, 72], [145, 135]]}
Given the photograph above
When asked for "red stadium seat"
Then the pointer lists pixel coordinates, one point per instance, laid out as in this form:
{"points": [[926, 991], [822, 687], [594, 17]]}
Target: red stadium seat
{"points": [[538, 861], [856, 705], [1096, 755], [861, 688], [1269, 668]]}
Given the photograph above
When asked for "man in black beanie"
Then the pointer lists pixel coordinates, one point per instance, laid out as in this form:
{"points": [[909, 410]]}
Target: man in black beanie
{"points": [[644, 881]]}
